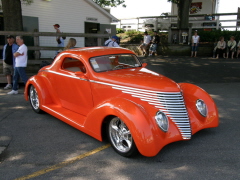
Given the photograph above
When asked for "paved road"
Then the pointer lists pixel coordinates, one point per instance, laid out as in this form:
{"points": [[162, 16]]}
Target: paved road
{"points": [[40, 142]]}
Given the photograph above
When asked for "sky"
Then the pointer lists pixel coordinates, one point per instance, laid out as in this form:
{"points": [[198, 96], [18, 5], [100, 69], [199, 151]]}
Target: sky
{"points": [[139, 8]]}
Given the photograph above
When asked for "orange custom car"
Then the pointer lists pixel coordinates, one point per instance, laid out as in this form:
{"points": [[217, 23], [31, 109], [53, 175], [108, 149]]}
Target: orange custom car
{"points": [[108, 91]]}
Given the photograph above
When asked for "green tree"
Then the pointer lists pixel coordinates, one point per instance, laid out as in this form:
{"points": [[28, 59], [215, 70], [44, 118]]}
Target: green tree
{"points": [[183, 13], [111, 3]]}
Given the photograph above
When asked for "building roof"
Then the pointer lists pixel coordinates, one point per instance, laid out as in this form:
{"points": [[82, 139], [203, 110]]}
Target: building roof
{"points": [[99, 8]]}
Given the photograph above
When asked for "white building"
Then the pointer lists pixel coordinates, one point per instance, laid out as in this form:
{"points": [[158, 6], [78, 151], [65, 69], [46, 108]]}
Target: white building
{"points": [[73, 16]]}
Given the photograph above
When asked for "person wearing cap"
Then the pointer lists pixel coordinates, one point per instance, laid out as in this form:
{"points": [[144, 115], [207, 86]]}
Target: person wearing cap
{"points": [[59, 39], [145, 43], [9, 60], [155, 41], [113, 42], [21, 58]]}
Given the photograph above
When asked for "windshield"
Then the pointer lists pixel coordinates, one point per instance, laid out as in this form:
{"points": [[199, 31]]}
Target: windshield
{"points": [[114, 62]]}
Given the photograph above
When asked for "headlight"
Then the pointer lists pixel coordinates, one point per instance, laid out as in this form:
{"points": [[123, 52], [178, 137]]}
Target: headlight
{"points": [[162, 121], [201, 107]]}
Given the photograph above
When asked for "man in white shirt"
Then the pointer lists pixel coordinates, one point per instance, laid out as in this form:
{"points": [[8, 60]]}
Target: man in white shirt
{"points": [[146, 43], [20, 64], [112, 42]]}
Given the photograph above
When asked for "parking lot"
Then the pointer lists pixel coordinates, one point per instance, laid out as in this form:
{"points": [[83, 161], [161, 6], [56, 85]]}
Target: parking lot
{"points": [[43, 147]]}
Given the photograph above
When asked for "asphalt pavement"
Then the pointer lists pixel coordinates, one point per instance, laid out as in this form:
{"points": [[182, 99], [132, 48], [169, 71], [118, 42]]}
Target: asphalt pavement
{"points": [[221, 78]]}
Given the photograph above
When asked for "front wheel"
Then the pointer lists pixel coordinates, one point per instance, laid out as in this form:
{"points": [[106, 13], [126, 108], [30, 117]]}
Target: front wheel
{"points": [[34, 100], [121, 138]]}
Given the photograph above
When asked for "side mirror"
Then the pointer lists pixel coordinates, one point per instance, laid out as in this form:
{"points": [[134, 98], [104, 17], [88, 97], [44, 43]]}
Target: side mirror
{"points": [[144, 65], [80, 74]]}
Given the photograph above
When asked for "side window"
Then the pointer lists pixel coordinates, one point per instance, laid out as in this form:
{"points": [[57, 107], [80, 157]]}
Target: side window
{"points": [[73, 65]]}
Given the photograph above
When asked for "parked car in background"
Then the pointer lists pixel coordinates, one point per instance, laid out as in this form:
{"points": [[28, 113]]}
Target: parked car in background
{"points": [[102, 90]]}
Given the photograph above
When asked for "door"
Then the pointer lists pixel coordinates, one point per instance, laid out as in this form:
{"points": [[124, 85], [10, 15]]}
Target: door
{"points": [[73, 91], [91, 28]]}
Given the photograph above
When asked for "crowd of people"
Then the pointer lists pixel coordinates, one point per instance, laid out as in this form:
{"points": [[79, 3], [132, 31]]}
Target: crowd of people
{"points": [[227, 49], [14, 62], [149, 44], [15, 54], [15, 57]]}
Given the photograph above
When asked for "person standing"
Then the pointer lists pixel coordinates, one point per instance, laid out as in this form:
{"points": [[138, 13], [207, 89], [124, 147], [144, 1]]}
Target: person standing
{"points": [[20, 64], [221, 45], [71, 44], [155, 41], [195, 43], [238, 52], [146, 43], [112, 42], [59, 39], [231, 46], [8, 60]]}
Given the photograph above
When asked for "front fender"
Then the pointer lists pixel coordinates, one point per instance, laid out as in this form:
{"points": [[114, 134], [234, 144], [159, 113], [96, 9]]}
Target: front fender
{"points": [[191, 94], [142, 128]]}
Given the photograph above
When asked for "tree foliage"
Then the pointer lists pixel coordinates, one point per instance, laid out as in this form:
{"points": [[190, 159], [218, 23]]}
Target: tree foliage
{"points": [[110, 3]]}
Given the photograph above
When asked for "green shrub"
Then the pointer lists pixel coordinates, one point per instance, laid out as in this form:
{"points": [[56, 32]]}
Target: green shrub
{"points": [[137, 38], [119, 30], [132, 33], [213, 36], [124, 37]]}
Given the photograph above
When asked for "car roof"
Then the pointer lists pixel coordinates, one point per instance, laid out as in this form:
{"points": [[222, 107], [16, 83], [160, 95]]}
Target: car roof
{"points": [[88, 52]]}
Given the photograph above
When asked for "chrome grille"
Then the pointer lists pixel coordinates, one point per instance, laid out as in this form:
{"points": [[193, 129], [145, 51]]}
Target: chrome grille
{"points": [[172, 104]]}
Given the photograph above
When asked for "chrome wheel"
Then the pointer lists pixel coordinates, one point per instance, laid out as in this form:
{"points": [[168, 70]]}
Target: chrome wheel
{"points": [[34, 100], [121, 137]]}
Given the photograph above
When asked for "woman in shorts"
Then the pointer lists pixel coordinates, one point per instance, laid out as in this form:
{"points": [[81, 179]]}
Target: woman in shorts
{"points": [[195, 43]]}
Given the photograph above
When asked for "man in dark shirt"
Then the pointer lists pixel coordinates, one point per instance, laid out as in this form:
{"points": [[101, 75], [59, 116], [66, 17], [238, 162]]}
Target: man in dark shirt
{"points": [[8, 60], [155, 41]]}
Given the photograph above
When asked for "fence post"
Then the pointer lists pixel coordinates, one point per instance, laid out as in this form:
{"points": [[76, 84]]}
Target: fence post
{"points": [[36, 44], [156, 25], [137, 24], [169, 35], [99, 41], [217, 23]]}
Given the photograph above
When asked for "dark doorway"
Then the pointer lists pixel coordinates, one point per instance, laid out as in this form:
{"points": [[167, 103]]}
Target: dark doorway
{"points": [[91, 28]]}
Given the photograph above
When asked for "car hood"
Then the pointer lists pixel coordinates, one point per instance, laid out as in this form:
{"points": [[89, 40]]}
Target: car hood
{"points": [[141, 78]]}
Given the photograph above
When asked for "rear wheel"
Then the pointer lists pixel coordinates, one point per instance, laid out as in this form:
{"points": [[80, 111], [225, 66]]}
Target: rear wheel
{"points": [[121, 138], [34, 100]]}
